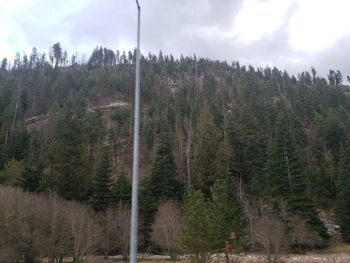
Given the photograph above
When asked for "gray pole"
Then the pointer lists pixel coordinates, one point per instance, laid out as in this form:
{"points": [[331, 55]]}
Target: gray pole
{"points": [[135, 164]]}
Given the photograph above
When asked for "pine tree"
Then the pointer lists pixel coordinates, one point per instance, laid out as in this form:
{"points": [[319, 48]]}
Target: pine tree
{"points": [[286, 174], [198, 227], [102, 196], [248, 156], [121, 190], [160, 185], [31, 177], [284, 166], [212, 155], [225, 211], [343, 194], [68, 153]]}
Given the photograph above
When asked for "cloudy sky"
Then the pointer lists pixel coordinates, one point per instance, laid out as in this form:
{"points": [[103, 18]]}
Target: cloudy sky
{"points": [[290, 34]]}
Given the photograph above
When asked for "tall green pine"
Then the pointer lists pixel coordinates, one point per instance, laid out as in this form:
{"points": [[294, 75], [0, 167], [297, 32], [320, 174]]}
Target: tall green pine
{"points": [[286, 174], [102, 195], [198, 230], [343, 194], [225, 211], [121, 190], [160, 185], [68, 153]]}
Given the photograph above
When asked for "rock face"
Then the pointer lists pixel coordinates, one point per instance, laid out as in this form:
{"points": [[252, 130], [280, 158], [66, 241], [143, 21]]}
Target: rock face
{"points": [[110, 106], [332, 228], [36, 122]]}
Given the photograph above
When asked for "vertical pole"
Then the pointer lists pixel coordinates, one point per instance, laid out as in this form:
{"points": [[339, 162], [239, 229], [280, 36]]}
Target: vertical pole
{"points": [[135, 164]]}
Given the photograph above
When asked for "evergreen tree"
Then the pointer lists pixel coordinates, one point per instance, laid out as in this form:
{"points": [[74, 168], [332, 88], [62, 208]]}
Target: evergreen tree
{"points": [[161, 184], [68, 153], [212, 155], [31, 178], [101, 196], [343, 194], [121, 190], [198, 227], [284, 167], [225, 211], [286, 175], [248, 152]]}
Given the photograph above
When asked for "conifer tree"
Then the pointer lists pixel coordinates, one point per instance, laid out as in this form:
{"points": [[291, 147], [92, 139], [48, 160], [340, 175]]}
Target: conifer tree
{"points": [[343, 194], [31, 177], [101, 195], [286, 174], [198, 227], [121, 190], [225, 211], [248, 156], [160, 185], [68, 153], [212, 155]]}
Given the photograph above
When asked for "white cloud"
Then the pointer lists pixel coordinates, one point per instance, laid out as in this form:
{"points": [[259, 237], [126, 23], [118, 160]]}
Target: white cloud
{"points": [[317, 25], [291, 34], [259, 18]]}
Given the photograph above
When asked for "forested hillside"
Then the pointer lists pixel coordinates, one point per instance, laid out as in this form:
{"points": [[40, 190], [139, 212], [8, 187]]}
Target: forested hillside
{"points": [[233, 148]]}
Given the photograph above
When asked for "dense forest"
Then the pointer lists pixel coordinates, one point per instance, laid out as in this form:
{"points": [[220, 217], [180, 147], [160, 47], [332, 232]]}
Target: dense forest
{"points": [[229, 155]]}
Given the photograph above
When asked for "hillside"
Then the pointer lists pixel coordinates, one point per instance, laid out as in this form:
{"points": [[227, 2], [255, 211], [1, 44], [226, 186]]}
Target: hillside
{"points": [[279, 142]]}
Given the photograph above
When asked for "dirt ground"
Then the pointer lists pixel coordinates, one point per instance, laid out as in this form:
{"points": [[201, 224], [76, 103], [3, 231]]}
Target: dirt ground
{"points": [[340, 257], [338, 252]]}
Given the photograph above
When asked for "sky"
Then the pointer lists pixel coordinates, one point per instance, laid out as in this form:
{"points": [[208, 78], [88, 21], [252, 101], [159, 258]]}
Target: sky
{"points": [[293, 35]]}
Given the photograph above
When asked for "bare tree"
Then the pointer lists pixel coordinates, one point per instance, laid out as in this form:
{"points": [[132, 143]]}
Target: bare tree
{"points": [[167, 227], [301, 234], [269, 234], [57, 230], [115, 230], [84, 230], [20, 221], [33, 226], [107, 223], [122, 228]]}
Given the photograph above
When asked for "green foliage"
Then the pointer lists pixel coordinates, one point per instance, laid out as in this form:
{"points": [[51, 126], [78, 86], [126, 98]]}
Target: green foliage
{"points": [[121, 189], [209, 224], [198, 228], [226, 215], [248, 156], [31, 178], [286, 174], [121, 116], [68, 153], [101, 197], [12, 173], [274, 134], [212, 155], [285, 169], [161, 184], [343, 194], [330, 125]]}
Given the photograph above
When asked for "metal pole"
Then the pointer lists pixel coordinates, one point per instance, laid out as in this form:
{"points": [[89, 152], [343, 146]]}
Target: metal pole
{"points": [[135, 164]]}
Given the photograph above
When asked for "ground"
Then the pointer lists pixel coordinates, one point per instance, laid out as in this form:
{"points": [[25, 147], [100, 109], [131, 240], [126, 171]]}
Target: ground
{"points": [[338, 252], [334, 255]]}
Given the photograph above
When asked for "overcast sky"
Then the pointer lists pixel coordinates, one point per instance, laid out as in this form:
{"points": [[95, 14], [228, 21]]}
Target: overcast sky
{"points": [[290, 34]]}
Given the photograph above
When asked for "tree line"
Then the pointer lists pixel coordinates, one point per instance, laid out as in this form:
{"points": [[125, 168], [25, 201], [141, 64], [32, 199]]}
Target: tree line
{"points": [[276, 145]]}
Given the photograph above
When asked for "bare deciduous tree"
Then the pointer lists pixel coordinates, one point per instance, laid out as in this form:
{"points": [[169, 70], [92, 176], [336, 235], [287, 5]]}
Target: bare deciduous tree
{"points": [[57, 231], [301, 234], [122, 228], [167, 227], [84, 230], [33, 226], [269, 234]]}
